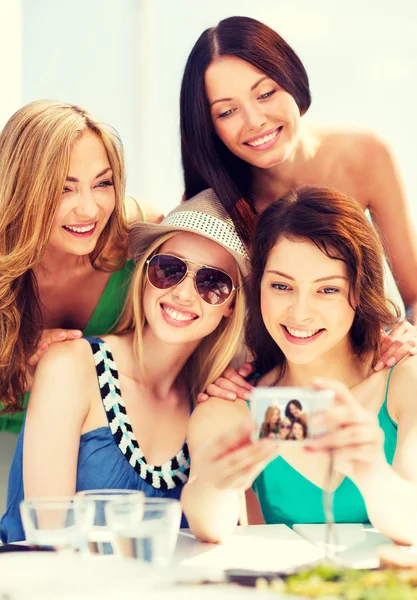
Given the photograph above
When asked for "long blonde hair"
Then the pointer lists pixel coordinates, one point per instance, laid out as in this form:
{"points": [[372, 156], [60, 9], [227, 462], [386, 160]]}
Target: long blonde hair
{"points": [[215, 351], [35, 149]]}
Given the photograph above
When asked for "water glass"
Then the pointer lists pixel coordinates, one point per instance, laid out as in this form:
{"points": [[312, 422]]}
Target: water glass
{"points": [[148, 531], [59, 523], [100, 536]]}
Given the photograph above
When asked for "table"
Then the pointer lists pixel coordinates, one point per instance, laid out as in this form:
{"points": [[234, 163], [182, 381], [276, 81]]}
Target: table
{"points": [[354, 544], [256, 547]]}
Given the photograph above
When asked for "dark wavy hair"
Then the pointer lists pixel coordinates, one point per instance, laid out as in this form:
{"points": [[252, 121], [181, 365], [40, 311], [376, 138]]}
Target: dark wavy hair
{"points": [[206, 160], [288, 414], [338, 226]]}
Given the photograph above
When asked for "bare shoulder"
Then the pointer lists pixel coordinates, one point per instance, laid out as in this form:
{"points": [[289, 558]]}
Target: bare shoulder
{"points": [[216, 408], [354, 144], [137, 210], [65, 354], [65, 379], [64, 364], [403, 384]]}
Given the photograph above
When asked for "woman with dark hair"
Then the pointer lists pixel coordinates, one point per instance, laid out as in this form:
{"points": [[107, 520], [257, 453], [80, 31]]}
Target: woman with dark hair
{"points": [[299, 430], [294, 410], [244, 91], [316, 305]]}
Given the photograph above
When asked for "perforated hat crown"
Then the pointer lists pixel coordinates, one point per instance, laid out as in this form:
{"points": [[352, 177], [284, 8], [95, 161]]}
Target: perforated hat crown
{"points": [[204, 215]]}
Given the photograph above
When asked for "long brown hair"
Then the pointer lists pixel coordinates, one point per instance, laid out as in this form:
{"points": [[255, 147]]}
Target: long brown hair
{"points": [[265, 428], [206, 161], [338, 226], [35, 149]]}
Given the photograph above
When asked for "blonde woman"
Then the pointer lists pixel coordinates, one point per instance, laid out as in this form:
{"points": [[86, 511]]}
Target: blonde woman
{"points": [[63, 241], [104, 412], [272, 422]]}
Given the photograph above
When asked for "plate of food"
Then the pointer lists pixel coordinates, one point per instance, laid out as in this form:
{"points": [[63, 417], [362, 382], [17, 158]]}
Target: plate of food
{"points": [[396, 579]]}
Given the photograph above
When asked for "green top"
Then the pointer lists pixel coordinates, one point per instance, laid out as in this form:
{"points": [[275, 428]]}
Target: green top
{"points": [[288, 497], [102, 321]]}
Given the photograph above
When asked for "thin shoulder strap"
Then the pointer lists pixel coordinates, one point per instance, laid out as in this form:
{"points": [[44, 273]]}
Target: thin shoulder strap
{"points": [[387, 386]]}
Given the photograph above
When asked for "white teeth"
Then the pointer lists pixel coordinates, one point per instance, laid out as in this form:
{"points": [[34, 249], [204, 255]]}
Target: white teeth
{"points": [[263, 140], [178, 316], [80, 229], [302, 333]]}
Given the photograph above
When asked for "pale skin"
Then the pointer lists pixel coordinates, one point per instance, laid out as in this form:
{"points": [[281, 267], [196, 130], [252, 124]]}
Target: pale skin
{"points": [[69, 287], [303, 300], [65, 389], [246, 104]]}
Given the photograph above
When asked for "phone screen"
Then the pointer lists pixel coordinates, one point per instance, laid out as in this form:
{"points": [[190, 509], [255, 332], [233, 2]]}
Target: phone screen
{"points": [[284, 413]]}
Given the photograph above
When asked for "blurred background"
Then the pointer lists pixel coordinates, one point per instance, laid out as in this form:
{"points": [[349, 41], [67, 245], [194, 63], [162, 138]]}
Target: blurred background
{"points": [[123, 60]]}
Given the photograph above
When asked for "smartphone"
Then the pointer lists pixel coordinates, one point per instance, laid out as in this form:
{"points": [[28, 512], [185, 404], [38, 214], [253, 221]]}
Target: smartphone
{"points": [[284, 413]]}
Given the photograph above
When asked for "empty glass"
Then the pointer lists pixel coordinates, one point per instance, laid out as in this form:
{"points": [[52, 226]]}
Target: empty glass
{"points": [[145, 531], [100, 536], [59, 523]]}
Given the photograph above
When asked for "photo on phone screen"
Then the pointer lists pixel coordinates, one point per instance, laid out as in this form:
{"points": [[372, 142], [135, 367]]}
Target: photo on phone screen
{"points": [[284, 413]]}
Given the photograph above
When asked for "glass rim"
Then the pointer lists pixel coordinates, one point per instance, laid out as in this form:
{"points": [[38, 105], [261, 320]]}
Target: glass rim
{"points": [[148, 501], [48, 501], [105, 494]]}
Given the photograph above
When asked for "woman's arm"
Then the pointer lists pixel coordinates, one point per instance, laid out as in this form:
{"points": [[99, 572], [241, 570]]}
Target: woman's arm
{"points": [[58, 407], [357, 444], [387, 202], [224, 462]]}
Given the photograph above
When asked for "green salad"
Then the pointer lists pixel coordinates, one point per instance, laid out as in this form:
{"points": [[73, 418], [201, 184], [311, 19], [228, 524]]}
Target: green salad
{"points": [[328, 582]]}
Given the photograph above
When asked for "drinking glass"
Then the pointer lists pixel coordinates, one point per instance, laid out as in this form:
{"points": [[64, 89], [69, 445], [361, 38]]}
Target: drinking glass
{"points": [[100, 536], [147, 531], [59, 522]]}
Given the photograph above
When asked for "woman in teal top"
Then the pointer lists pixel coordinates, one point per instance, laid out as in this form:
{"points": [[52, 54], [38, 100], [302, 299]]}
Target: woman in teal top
{"points": [[316, 306], [63, 242]]}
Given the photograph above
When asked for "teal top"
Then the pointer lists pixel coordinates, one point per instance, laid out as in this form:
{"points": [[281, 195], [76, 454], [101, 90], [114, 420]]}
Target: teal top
{"points": [[102, 321], [287, 497]]}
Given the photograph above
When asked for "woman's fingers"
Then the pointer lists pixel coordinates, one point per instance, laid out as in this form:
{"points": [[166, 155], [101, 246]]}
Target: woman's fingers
{"points": [[353, 435], [49, 337], [228, 441], [245, 370], [230, 386], [239, 468], [401, 342]]}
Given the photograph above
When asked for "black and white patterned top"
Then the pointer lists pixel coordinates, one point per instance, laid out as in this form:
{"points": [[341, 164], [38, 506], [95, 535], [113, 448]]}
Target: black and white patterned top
{"points": [[173, 473]]}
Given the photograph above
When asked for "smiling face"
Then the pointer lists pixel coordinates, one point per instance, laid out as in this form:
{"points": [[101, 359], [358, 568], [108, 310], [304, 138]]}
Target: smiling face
{"points": [[298, 431], [305, 302], [274, 416], [178, 314], [294, 410], [256, 119], [88, 199], [284, 428]]}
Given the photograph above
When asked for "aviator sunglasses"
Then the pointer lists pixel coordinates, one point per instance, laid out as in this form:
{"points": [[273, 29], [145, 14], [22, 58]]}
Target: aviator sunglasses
{"points": [[213, 285]]}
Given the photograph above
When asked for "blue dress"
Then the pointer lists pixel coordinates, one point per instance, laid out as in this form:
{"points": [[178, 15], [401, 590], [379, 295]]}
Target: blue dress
{"points": [[108, 458]]}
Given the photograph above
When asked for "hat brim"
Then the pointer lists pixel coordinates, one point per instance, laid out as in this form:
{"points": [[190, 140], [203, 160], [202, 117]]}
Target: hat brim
{"points": [[143, 235]]}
